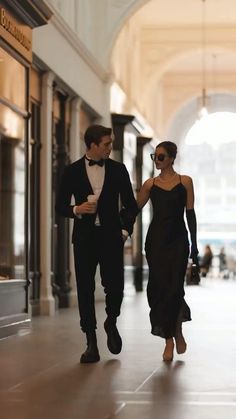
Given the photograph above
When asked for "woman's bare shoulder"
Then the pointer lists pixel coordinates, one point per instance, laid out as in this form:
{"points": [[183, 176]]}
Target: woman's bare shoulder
{"points": [[146, 186], [148, 183], [186, 180]]}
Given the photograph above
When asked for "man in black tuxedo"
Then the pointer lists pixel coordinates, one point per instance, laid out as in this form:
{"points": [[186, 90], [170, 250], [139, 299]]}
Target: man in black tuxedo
{"points": [[100, 230]]}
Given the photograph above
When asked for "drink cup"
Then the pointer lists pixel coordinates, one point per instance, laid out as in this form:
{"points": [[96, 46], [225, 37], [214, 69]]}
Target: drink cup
{"points": [[93, 199]]}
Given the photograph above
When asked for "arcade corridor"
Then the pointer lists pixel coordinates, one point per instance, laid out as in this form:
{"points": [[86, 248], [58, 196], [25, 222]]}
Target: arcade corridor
{"points": [[41, 376], [148, 69]]}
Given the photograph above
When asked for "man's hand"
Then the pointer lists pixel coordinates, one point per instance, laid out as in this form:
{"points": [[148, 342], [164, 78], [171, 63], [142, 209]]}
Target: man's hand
{"points": [[125, 235], [85, 208]]}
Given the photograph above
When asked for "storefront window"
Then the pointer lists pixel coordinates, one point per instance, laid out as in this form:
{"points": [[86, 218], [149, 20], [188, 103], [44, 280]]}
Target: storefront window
{"points": [[12, 195], [12, 80], [12, 168]]}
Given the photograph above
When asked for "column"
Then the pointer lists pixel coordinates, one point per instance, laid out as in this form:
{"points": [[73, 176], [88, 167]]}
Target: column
{"points": [[47, 301], [75, 153], [119, 121], [138, 257]]}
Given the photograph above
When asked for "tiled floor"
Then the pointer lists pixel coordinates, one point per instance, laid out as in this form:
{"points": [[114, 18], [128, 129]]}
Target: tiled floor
{"points": [[41, 378]]}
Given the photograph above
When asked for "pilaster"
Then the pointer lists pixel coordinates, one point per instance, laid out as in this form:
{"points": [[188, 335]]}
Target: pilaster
{"points": [[138, 257], [75, 153], [47, 301]]}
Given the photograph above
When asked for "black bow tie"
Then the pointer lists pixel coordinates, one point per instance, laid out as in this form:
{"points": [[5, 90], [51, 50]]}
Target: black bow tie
{"points": [[98, 162]]}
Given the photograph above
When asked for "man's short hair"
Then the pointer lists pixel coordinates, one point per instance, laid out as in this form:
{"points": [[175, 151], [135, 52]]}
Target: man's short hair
{"points": [[94, 133]]}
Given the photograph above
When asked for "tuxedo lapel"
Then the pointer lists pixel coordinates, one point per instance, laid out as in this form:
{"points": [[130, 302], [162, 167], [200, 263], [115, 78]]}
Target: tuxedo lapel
{"points": [[106, 179], [87, 184]]}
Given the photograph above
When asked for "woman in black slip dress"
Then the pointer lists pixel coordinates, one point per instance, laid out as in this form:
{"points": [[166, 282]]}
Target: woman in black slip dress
{"points": [[167, 247]]}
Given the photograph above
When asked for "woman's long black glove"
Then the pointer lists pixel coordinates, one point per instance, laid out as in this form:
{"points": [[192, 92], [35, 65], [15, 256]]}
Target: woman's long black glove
{"points": [[192, 225]]}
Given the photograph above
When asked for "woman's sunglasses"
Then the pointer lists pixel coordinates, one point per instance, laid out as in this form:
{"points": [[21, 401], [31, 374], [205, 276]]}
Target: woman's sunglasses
{"points": [[159, 157]]}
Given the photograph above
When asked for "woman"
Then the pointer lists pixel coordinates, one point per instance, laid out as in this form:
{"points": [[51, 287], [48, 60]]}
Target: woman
{"points": [[167, 247]]}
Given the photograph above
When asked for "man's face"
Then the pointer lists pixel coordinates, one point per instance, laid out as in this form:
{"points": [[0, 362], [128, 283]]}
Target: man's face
{"points": [[103, 149]]}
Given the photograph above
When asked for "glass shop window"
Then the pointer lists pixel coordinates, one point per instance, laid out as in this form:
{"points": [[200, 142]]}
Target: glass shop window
{"points": [[12, 168]]}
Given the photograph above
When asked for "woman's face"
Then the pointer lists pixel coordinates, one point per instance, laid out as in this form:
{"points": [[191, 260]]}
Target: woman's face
{"points": [[162, 160]]}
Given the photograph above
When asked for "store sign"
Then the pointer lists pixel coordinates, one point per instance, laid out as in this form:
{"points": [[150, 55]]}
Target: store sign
{"points": [[17, 35]]}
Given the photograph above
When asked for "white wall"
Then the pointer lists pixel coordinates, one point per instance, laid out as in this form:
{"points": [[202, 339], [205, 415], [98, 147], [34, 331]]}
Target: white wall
{"points": [[71, 63]]}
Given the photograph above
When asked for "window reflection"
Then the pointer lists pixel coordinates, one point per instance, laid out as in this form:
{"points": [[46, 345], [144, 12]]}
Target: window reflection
{"points": [[12, 195], [12, 80]]}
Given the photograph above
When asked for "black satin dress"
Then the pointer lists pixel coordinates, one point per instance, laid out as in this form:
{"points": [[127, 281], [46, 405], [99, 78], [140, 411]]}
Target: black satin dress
{"points": [[167, 250]]}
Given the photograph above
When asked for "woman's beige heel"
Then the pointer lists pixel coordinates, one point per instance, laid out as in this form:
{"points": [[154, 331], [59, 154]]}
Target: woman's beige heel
{"points": [[181, 345], [169, 350]]}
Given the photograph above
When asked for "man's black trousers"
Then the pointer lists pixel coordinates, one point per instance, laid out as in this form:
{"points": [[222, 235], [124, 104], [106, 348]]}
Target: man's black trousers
{"points": [[103, 248]]}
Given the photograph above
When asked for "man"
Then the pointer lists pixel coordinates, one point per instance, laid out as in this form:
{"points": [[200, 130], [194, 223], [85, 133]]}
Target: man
{"points": [[99, 232]]}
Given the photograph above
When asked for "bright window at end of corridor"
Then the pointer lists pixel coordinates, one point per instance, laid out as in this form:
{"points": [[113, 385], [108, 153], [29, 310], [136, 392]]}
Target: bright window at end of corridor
{"points": [[216, 129], [208, 155]]}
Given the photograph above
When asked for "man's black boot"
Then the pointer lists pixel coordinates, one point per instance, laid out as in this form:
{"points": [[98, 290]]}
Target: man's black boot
{"points": [[114, 342], [91, 354]]}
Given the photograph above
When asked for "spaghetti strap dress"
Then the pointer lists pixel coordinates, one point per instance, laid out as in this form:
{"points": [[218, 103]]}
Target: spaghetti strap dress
{"points": [[167, 251]]}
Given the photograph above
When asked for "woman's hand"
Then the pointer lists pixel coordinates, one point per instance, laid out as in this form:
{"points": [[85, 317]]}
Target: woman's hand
{"points": [[194, 255]]}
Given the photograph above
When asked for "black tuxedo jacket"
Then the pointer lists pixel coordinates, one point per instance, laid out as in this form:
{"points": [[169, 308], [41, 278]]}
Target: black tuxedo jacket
{"points": [[117, 187]]}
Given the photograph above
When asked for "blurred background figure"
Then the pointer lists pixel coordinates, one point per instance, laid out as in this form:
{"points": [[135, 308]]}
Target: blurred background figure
{"points": [[206, 261], [222, 260]]}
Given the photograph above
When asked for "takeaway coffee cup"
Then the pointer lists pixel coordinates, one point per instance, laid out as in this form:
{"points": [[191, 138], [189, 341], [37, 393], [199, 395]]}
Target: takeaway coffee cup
{"points": [[93, 198]]}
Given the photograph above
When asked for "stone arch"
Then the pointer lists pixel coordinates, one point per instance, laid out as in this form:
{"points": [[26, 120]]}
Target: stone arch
{"points": [[176, 57], [193, 88], [126, 14], [185, 117]]}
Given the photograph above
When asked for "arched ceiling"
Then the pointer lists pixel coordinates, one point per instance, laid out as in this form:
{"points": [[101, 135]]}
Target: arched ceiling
{"points": [[182, 12], [170, 39], [166, 18], [154, 49]]}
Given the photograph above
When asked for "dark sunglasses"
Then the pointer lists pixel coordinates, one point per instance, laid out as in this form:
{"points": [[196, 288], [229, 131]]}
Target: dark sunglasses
{"points": [[160, 157]]}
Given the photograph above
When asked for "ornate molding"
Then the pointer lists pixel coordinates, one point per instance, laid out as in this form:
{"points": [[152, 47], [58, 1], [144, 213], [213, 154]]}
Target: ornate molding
{"points": [[32, 12], [122, 3]]}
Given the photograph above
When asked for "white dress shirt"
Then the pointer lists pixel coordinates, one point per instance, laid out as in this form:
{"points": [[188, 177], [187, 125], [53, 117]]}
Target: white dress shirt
{"points": [[96, 176]]}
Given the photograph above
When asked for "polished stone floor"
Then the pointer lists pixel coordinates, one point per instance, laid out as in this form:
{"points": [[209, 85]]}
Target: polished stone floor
{"points": [[41, 377]]}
